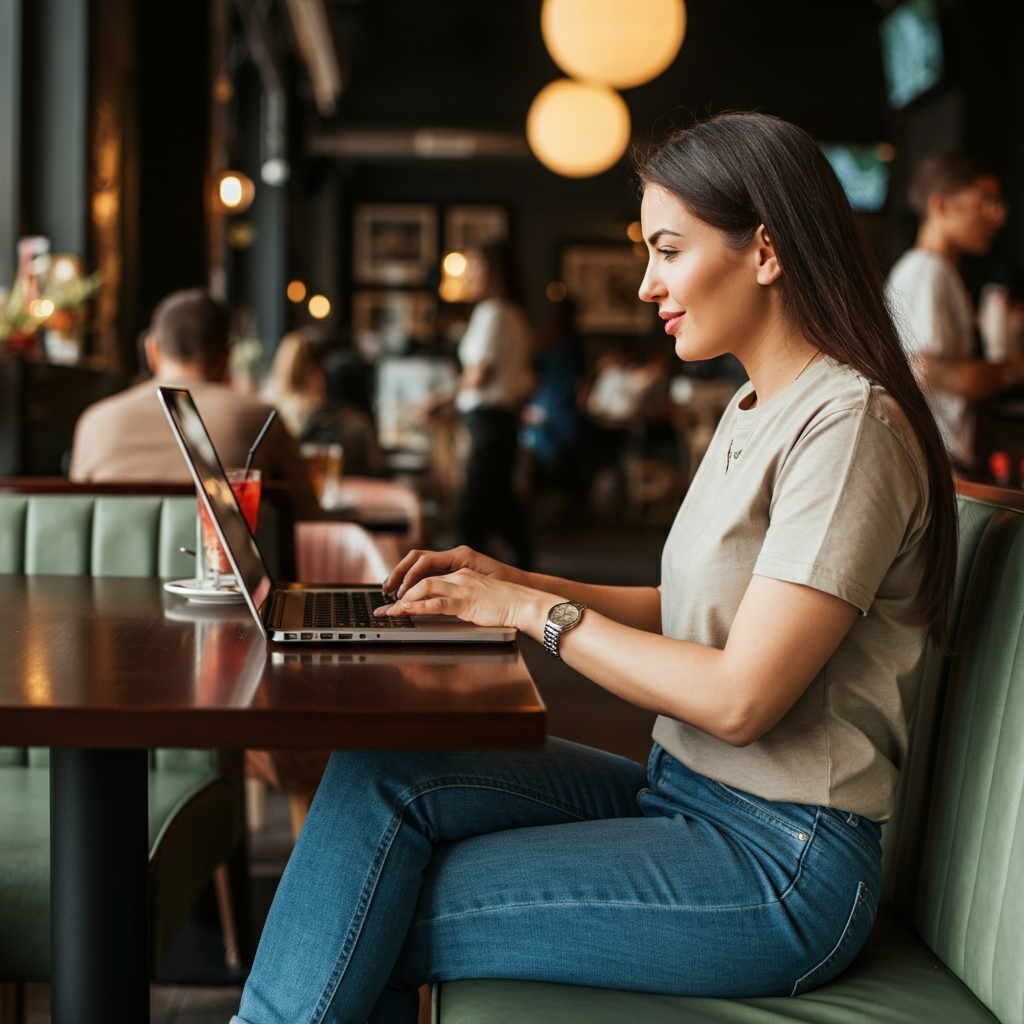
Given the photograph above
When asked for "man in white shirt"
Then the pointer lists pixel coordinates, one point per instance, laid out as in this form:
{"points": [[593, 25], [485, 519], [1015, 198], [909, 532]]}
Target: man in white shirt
{"points": [[961, 208]]}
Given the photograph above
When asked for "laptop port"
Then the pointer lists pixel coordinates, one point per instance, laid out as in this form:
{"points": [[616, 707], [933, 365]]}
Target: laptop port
{"points": [[291, 636], [326, 636], [307, 636], [344, 636]]}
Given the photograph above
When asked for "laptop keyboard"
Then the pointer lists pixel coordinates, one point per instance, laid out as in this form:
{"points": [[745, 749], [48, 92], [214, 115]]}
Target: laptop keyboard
{"points": [[349, 609]]}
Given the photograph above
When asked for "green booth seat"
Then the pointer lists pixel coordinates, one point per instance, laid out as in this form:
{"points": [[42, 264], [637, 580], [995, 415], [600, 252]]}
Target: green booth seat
{"points": [[948, 941], [196, 797]]}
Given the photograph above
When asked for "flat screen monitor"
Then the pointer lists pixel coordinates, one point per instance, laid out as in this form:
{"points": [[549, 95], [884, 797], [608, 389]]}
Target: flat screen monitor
{"points": [[863, 172], [911, 51]]}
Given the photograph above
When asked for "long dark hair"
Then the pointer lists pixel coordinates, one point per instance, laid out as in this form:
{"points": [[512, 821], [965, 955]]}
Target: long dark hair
{"points": [[740, 170]]}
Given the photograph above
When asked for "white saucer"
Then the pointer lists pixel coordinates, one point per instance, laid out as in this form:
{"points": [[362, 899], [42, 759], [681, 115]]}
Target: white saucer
{"points": [[227, 593]]}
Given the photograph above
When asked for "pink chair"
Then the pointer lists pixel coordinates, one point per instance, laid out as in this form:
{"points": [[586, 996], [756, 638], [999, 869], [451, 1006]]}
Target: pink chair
{"points": [[328, 552], [372, 501]]}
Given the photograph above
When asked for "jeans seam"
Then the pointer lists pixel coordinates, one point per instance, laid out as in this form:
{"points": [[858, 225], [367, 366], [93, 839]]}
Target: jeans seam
{"points": [[863, 896], [373, 876], [848, 833], [756, 809]]}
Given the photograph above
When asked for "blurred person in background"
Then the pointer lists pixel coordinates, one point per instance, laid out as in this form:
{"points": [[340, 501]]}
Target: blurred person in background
{"points": [[552, 420], [295, 385], [495, 354], [960, 205], [127, 438], [346, 415]]}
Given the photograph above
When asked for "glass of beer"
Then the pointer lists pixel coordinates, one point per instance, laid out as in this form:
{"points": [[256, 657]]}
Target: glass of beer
{"points": [[214, 563], [325, 463]]}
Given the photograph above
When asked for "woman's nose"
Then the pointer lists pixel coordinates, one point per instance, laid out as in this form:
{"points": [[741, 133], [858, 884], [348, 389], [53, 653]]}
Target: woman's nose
{"points": [[651, 288]]}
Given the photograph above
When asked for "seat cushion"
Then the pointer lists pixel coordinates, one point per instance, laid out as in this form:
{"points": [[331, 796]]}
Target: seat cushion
{"points": [[190, 816], [895, 980]]}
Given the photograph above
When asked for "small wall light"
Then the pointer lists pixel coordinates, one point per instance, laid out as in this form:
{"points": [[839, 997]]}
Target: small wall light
{"points": [[235, 191], [296, 291], [555, 291], [319, 307]]}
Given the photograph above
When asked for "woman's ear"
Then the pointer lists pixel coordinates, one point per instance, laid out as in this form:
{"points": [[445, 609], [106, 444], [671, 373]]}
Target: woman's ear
{"points": [[769, 270]]}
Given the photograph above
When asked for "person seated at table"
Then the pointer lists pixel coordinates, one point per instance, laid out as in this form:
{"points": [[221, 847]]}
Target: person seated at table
{"points": [[961, 208], [295, 385], [126, 437], [813, 556], [346, 417]]}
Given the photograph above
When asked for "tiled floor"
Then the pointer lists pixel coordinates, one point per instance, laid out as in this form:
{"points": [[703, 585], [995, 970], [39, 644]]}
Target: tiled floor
{"points": [[577, 710]]}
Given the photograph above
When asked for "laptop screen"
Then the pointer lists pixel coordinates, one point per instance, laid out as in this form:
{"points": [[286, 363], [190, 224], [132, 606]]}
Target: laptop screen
{"points": [[216, 494]]}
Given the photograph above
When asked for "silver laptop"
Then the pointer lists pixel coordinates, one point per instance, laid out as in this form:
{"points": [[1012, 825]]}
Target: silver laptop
{"points": [[295, 613]]}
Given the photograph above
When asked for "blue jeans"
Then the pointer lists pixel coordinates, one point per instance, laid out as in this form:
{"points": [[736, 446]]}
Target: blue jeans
{"points": [[570, 865]]}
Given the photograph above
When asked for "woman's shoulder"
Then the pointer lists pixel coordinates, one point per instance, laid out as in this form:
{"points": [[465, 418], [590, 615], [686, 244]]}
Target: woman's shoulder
{"points": [[870, 410]]}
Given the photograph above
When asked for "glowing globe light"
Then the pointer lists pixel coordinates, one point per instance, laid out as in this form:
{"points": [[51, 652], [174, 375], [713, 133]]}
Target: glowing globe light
{"points": [[319, 307], [621, 43], [236, 191], [296, 291], [41, 308], [577, 129], [455, 264]]}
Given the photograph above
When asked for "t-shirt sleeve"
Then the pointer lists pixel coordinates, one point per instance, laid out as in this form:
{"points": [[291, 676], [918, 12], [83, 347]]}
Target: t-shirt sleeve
{"points": [[841, 508], [479, 343], [922, 309]]}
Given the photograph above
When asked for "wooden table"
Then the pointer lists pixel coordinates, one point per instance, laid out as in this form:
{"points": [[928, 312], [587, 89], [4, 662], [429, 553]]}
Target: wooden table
{"points": [[100, 670]]}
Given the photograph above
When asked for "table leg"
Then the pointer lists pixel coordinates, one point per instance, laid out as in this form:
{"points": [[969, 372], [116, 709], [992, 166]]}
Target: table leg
{"points": [[99, 874]]}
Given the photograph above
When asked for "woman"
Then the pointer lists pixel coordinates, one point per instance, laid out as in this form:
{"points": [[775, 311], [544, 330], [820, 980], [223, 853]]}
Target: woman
{"points": [[495, 354], [812, 556], [296, 383]]}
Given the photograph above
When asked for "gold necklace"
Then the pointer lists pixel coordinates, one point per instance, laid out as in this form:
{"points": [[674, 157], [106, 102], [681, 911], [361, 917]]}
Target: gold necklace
{"points": [[817, 352]]}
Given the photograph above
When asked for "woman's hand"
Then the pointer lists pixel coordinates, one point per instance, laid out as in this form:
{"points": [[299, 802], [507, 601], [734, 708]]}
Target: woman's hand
{"points": [[419, 565], [478, 598]]}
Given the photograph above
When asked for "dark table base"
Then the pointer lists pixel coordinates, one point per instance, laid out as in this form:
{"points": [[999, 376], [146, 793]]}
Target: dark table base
{"points": [[99, 894]]}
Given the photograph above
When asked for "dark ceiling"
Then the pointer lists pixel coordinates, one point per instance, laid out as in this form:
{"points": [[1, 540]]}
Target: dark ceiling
{"points": [[473, 64]]}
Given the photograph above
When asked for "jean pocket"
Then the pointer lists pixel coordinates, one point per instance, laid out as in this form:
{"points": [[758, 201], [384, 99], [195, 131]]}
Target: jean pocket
{"points": [[858, 924]]}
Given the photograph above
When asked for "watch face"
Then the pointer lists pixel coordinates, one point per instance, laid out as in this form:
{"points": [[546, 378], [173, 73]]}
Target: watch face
{"points": [[564, 614]]}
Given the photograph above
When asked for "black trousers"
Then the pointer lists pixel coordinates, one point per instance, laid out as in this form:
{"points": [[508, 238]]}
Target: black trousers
{"points": [[488, 503]]}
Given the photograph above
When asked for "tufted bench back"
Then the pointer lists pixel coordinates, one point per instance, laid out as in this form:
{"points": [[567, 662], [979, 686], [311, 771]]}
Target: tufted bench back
{"points": [[97, 535], [970, 897]]}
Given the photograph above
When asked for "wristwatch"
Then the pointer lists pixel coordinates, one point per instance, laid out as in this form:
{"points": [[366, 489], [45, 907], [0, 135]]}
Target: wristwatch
{"points": [[561, 617]]}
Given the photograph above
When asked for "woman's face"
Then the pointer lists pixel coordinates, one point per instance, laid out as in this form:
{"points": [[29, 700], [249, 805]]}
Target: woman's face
{"points": [[711, 298]]}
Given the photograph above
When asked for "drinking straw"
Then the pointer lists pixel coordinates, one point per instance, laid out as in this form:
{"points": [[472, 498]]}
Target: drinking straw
{"points": [[256, 443]]}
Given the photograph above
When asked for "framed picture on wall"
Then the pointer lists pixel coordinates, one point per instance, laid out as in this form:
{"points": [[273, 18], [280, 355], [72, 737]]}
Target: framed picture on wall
{"points": [[472, 227], [603, 281], [389, 322], [395, 243]]}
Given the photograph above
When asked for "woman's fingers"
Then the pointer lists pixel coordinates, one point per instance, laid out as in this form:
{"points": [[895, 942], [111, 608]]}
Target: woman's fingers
{"points": [[414, 567], [419, 565]]}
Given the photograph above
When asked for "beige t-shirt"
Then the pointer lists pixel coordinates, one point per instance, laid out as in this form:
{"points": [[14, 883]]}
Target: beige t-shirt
{"points": [[824, 485]]}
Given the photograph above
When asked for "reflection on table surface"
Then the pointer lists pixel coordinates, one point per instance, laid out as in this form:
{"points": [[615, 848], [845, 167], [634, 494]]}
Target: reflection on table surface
{"points": [[119, 662]]}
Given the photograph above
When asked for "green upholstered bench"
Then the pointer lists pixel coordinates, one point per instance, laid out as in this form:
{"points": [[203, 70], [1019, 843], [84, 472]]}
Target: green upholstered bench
{"points": [[196, 811], [948, 942]]}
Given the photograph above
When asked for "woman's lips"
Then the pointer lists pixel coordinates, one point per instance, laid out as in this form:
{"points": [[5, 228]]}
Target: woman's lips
{"points": [[671, 319]]}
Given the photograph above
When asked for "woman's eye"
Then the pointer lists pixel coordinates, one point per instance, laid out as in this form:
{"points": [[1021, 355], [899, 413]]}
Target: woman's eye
{"points": [[668, 253]]}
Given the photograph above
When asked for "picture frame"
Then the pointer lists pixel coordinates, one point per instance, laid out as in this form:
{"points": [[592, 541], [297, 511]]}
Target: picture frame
{"points": [[472, 227], [389, 322], [394, 243], [603, 280], [404, 387]]}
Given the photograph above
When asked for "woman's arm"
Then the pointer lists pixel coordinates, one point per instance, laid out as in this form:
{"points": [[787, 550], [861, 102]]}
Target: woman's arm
{"points": [[638, 607], [781, 637]]}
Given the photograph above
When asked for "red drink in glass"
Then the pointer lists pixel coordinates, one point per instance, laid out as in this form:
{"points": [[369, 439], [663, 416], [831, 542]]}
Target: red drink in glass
{"points": [[247, 489]]}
